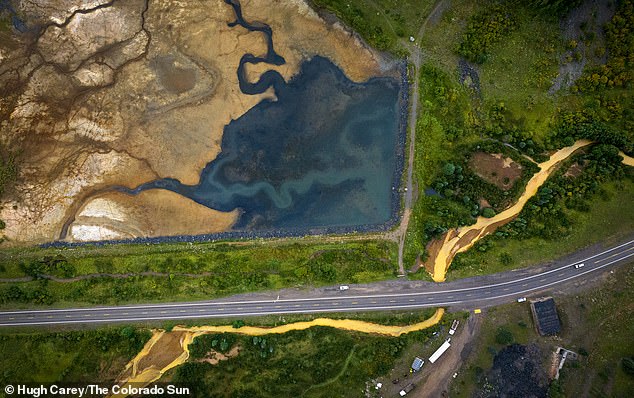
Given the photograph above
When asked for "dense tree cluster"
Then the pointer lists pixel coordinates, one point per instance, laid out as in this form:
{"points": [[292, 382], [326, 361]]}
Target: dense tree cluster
{"points": [[617, 72], [459, 183], [556, 7], [483, 30], [571, 126], [220, 342], [545, 214], [49, 265]]}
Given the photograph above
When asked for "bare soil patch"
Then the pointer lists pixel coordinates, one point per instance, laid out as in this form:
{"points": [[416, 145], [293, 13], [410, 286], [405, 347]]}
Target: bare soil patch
{"points": [[574, 170], [214, 357], [437, 383], [496, 169], [164, 353]]}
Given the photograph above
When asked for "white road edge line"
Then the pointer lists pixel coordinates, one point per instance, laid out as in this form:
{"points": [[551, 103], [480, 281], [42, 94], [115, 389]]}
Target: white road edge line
{"points": [[440, 304], [219, 303]]}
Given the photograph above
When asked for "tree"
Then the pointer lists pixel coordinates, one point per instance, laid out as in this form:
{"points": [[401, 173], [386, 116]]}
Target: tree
{"points": [[488, 212], [506, 259], [628, 365], [449, 169]]}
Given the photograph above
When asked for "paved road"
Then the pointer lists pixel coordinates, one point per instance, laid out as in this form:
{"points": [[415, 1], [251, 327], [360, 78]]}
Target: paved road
{"points": [[398, 295]]}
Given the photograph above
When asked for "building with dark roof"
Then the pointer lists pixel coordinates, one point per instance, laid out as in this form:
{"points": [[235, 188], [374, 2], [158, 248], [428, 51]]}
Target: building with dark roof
{"points": [[545, 316]]}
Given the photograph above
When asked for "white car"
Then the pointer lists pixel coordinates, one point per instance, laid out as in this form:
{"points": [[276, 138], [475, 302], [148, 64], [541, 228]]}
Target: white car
{"points": [[344, 287], [577, 266], [521, 299]]}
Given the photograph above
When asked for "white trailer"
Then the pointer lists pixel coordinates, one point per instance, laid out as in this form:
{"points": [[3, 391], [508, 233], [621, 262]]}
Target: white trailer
{"points": [[434, 357]]}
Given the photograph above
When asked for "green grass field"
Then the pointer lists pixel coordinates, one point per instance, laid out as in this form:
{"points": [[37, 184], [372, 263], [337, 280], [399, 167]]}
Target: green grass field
{"points": [[82, 356], [195, 272], [318, 362]]}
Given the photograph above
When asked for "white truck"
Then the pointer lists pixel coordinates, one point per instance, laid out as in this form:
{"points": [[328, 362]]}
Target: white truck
{"points": [[454, 326]]}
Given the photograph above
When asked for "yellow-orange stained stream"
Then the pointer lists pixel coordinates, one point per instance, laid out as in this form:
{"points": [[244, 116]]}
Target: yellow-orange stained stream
{"points": [[461, 239], [142, 377], [627, 159]]}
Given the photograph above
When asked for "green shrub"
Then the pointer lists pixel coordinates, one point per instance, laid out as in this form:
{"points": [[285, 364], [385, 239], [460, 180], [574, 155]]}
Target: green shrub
{"points": [[503, 336]]}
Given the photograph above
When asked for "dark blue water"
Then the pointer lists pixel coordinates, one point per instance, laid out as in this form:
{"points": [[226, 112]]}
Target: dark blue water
{"points": [[18, 24], [327, 153]]}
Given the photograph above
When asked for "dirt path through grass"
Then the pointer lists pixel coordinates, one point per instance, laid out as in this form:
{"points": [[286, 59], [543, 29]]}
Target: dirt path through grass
{"points": [[415, 59]]}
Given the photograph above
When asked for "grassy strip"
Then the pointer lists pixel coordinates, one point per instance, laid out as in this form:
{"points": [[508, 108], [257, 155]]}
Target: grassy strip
{"points": [[389, 318], [233, 269], [384, 24]]}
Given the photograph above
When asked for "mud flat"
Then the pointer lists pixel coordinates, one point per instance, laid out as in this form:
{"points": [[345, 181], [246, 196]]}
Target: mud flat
{"points": [[102, 94], [116, 215]]}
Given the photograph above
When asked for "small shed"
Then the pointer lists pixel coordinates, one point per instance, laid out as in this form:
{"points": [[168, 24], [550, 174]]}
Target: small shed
{"points": [[417, 364]]}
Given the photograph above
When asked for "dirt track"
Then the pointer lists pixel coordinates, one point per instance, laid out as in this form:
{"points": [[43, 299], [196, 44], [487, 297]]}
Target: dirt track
{"points": [[440, 373]]}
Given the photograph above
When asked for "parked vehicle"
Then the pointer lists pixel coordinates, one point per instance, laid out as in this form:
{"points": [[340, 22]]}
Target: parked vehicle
{"points": [[407, 389], [344, 287], [434, 357], [521, 299], [454, 326]]}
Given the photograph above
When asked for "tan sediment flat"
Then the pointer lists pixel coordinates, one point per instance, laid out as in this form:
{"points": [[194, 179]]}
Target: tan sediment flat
{"points": [[141, 370], [465, 237], [153, 102], [156, 212]]}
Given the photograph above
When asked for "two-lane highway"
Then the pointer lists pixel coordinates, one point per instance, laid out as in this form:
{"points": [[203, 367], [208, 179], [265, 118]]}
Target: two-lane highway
{"points": [[404, 295]]}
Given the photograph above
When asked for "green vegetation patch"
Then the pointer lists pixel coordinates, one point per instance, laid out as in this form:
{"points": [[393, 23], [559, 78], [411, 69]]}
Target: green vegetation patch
{"points": [[84, 356], [318, 362], [484, 29], [188, 272], [384, 24], [568, 212]]}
